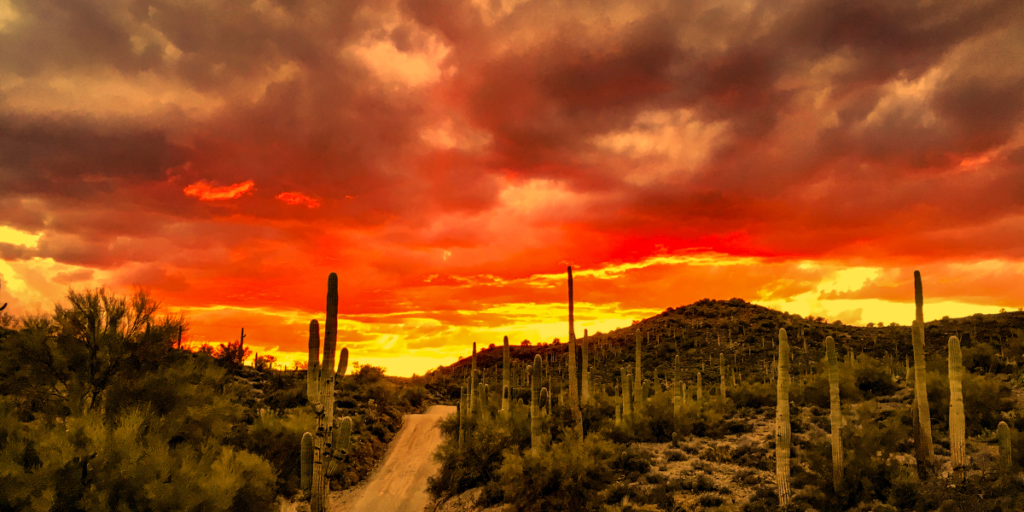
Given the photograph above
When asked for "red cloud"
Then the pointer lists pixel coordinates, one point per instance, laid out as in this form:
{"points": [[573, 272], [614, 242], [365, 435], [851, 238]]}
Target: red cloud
{"points": [[294, 198], [205, 190]]}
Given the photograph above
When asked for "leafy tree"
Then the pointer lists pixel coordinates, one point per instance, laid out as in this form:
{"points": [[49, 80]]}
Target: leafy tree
{"points": [[263, 363], [73, 356], [232, 354]]}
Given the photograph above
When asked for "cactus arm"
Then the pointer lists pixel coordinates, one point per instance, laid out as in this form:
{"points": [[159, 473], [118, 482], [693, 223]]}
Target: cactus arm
{"points": [[306, 462], [313, 368]]}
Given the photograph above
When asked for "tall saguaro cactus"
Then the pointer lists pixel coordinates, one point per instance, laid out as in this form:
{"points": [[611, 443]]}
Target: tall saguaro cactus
{"points": [[504, 380], [627, 410], [585, 384], [920, 374], [957, 427], [637, 377], [574, 399], [837, 413], [721, 373], [782, 426], [320, 378], [534, 372]]}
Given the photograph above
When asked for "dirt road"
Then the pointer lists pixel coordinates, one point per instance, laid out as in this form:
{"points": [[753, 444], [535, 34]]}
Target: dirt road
{"points": [[400, 483]]}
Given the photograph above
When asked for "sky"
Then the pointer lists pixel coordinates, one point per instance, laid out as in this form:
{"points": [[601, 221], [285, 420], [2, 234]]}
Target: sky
{"points": [[449, 159]]}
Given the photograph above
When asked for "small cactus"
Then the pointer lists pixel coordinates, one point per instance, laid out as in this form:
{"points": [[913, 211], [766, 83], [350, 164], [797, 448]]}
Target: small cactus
{"points": [[700, 391], [340, 445], [306, 463], [1005, 455], [505, 380], [533, 371]]}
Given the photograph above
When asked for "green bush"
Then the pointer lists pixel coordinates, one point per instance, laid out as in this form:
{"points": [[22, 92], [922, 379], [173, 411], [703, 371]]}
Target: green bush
{"points": [[567, 476]]}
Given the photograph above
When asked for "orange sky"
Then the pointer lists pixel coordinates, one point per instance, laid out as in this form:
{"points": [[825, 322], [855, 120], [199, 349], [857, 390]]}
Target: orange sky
{"points": [[448, 159]]}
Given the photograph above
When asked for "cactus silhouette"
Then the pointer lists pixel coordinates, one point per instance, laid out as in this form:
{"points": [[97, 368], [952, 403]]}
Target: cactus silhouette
{"points": [[638, 375], [472, 384], [782, 427], [957, 425], [920, 375], [627, 409], [534, 372], [1005, 455], [837, 413], [574, 399], [585, 384], [505, 393], [544, 402], [320, 379], [721, 373], [306, 462], [342, 431], [700, 391], [462, 416], [472, 391]]}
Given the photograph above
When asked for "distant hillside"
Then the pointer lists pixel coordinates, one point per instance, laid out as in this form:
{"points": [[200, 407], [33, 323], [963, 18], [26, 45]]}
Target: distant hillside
{"points": [[746, 334]]}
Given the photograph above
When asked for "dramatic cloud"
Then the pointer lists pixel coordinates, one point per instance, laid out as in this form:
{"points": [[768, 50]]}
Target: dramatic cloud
{"points": [[449, 158], [207, 192]]}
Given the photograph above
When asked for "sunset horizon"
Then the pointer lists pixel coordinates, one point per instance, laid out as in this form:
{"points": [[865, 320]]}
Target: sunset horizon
{"points": [[449, 159]]}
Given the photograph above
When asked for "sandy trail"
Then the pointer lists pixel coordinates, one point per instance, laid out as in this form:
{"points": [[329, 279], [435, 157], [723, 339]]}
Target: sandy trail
{"points": [[400, 483]]}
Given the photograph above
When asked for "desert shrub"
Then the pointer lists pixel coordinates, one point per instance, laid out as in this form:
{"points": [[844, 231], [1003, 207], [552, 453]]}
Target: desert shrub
{"points": [[368, 374], [633, 458], [567, 476], [90, 465], [872, 378], [277, 437], [194, 399], [869, 471], [482, 454], [754, 394], [413, 397]]}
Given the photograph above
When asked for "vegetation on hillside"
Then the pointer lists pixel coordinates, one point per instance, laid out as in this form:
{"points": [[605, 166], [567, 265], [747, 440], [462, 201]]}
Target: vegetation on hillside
{"points": [[675, 449], [100, 411]]}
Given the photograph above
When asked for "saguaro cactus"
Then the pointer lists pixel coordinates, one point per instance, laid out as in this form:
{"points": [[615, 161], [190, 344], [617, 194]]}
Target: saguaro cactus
{"points": [[627, 410], [957, 427], [320, 378], [920, 376], [472, 391], [574, 399], [306, 462], [700, 391], [545, 401], [534, 372], [341, 443], [504, 380], [472, 383], [585, 385], [462, 416], [837, 413], [638, 376], [1005, 460], [721, 373], [782, 426]]}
